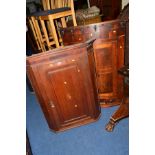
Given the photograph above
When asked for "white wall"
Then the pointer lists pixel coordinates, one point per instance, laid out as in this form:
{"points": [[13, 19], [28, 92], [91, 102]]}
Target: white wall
{"points": [[124, 2]]}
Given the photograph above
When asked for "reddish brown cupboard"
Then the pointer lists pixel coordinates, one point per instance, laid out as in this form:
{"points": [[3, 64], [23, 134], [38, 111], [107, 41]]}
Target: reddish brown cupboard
{"points": [[64, 82], [109, 56]]}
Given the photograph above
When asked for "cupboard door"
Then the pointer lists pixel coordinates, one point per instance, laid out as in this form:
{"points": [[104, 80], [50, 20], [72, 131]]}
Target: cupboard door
{"points": [[106, 65], [65, 84]]}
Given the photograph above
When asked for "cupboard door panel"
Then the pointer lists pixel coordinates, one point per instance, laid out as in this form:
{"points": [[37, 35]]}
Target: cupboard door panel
{"points": [[104, 57], [105, 83], [68, 92], [64, 83], [106, 65], [105, 53]]}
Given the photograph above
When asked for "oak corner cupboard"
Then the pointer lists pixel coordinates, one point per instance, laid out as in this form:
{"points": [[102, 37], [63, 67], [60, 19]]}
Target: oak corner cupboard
{"points": [[64, 82]]}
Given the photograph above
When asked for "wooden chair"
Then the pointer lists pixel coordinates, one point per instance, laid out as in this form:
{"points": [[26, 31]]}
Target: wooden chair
{"points": [[34, 25], [44, 38], [47, 34], [59, 9]]}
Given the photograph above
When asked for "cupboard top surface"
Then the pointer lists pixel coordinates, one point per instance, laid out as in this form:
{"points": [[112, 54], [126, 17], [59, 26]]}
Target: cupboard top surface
{"points": [[58, 52], [106, 23]]}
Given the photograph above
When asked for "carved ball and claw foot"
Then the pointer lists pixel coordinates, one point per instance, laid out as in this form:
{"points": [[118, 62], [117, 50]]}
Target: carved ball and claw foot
{"points": [[110, 126]]}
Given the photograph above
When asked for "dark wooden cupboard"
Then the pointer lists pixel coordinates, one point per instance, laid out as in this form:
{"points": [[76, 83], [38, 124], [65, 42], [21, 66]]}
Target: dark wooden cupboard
{"points": [[64, 82], [109, 55]]}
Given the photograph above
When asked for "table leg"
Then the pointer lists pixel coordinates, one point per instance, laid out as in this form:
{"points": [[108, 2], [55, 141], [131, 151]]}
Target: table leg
{"points": [[121, 112]]}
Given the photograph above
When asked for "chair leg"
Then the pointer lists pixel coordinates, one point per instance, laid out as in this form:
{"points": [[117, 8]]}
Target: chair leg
{"points": [[74, 19], [38, 34], [60, 38], [63, 22], [45, 33], [54, 31], [34, 34]]}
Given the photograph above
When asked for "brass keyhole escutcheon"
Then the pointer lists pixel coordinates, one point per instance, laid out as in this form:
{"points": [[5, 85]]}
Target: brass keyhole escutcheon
{"points": [[51, 104]]}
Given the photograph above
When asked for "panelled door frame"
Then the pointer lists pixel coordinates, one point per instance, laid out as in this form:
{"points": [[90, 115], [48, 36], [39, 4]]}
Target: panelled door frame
{"points": [[101, 70]]}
